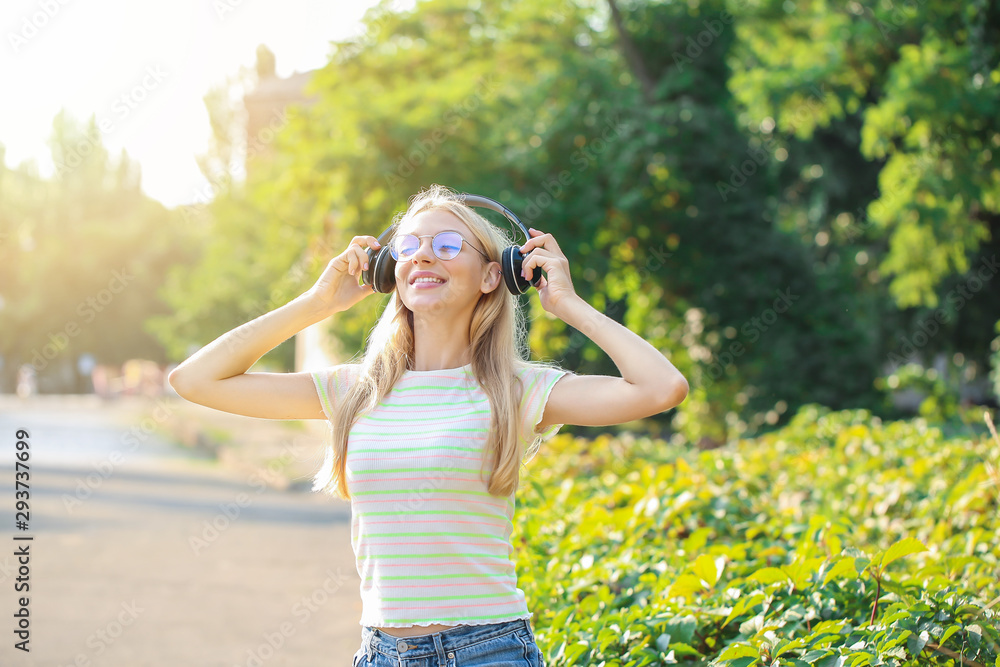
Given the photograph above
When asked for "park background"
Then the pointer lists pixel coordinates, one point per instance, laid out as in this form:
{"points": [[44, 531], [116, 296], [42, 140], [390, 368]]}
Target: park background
{"points": [[797, 202]]}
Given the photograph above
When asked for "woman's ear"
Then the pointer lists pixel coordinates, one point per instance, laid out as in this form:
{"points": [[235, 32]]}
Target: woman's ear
{"points": [[493, 277]]}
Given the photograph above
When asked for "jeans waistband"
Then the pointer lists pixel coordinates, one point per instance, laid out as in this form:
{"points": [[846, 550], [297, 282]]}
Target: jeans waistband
{"points": [[439, 643]]}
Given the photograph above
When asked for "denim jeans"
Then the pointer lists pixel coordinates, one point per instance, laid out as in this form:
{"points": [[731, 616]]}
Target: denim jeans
{"points": [[507, 644]]}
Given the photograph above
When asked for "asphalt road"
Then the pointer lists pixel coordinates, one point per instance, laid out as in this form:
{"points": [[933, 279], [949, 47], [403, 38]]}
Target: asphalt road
{"points": [[142, 554]]}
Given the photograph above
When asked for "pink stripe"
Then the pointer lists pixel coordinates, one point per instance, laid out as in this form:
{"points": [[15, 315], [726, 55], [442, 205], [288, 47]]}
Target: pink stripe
{"points": [[409, 430], [453, 606], [409, 544], [477, 502], [505, 563], [380, 440], [471, 583], [474, 415], [449, 521], [419, 456], [410, 479], [503, 543], [539, 386], [476, 403]]}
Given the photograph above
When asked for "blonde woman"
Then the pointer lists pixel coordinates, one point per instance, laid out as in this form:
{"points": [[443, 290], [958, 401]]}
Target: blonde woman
{"points": [[431, 426]]}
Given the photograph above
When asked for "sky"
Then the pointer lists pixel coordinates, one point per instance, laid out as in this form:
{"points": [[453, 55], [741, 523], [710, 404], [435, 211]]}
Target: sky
{"points": [[142, 68]]}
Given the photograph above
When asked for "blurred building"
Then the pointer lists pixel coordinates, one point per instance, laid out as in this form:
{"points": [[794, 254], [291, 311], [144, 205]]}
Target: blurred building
{"points": [[267, 114], [267, 104]]}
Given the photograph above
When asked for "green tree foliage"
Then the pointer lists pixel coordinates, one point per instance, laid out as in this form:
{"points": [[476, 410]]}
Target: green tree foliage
{"points": [[82, 256], [705, 166], [913, 88], [251, 238], [995, 362]]}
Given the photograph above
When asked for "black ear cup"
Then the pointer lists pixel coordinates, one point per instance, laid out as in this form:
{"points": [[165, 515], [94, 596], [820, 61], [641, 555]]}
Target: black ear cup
{"points": [[381, 271], [511, 262]]}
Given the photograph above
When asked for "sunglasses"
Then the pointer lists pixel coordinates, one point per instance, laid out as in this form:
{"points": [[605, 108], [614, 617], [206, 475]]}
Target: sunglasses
{"points": [[446, 245]]}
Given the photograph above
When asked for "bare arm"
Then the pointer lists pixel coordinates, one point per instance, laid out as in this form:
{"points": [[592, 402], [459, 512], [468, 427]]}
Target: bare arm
{"points": [[216, 375], [649, 384]]}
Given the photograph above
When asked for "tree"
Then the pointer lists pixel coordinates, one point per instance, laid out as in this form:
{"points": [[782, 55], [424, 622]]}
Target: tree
{"points": [[82, 257], [912, 91]]}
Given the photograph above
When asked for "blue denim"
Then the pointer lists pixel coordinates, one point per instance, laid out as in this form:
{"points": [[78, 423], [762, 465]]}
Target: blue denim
{"points": [[507, 644]]}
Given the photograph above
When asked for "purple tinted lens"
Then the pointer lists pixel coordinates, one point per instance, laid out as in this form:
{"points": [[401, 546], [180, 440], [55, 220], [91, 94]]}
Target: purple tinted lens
{"points": [[404, 246], [446, 245]]}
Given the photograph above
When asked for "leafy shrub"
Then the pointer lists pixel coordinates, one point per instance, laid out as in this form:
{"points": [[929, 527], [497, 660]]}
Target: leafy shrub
{"points": [[995, 362], [837, 541]]}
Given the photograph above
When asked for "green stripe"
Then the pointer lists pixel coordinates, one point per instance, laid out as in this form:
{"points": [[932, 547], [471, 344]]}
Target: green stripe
{"points": [[381, 470], [527, 390], [416, 449], [428, 512], [451, 597], [442, 618], [369, 493], [492, 537], [441, 576], [450, 403], [424, 419], [433, 386], [433, 556], [322, 392], [546, 392], [409, 404], [437, 432]]}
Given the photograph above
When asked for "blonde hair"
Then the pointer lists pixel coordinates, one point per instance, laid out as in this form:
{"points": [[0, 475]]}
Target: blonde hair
{"points": [[496, 335]]}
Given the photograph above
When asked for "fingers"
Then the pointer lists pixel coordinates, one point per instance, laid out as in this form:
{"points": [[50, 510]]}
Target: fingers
{"points": [[540, 239], [356, 255], [546, 250]]}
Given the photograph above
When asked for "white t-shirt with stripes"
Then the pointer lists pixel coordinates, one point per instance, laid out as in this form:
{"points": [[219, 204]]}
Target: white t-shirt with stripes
{"points": [[432, 545]]}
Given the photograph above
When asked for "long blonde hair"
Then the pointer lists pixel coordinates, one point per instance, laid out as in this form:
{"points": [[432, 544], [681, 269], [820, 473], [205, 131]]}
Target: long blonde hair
{"points": [[496, 335]]}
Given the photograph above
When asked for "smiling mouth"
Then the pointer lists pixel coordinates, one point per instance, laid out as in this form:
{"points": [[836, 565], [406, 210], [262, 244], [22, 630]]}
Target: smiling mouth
{"points": [[427, 283]]}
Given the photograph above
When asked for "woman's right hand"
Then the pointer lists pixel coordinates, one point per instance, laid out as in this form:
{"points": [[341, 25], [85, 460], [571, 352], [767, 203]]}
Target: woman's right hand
{"points": [[338, 287]]}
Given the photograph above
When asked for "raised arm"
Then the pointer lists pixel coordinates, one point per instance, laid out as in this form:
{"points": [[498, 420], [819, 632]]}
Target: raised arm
{"points": [[216, 376], [649, 384]]}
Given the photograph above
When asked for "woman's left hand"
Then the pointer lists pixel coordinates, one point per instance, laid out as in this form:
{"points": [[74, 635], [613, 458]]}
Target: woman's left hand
{"points": [[555, 288]]}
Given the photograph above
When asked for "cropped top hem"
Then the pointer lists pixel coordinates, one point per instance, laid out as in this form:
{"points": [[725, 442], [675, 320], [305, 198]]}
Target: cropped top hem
{"points": [[387, 624]]}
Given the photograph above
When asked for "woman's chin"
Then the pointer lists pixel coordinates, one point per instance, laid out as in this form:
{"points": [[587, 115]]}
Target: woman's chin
{"points": [[430, 300]]}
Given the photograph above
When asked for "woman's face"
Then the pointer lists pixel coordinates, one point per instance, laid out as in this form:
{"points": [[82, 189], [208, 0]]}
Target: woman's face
{"points": [[461, 277]]}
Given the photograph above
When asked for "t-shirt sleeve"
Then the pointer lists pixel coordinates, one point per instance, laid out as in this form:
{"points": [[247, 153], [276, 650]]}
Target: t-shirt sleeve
{"points": [[538, 384], [332, 384]]}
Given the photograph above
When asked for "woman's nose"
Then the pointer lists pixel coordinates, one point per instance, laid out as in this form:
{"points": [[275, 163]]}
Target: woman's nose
{"points": [[425, 250]]}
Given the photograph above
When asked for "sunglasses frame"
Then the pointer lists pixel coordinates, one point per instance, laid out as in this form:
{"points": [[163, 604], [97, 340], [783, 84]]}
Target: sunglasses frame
{"points": [[394, 251]]}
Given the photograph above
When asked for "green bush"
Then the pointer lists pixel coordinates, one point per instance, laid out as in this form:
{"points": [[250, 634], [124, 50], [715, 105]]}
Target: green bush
{"points": [[995, 362], [838, 540]]}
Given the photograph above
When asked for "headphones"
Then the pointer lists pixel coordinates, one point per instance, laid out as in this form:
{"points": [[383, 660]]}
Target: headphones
{"points": [[381, 272]]}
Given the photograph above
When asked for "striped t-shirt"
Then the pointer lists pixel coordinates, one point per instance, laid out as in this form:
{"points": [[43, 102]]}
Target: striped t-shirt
{"points": [[432, 545]]}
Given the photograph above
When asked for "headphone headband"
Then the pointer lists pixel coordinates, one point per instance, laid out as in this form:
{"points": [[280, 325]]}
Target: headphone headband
{"points": [[486, 202]]}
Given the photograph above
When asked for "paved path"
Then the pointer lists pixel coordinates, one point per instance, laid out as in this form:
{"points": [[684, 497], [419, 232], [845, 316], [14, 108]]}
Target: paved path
{"points": [[118, 576]]}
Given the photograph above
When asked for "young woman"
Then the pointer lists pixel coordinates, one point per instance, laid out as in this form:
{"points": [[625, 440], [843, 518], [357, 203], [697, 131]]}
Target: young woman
{"points": [[431, 427]]}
